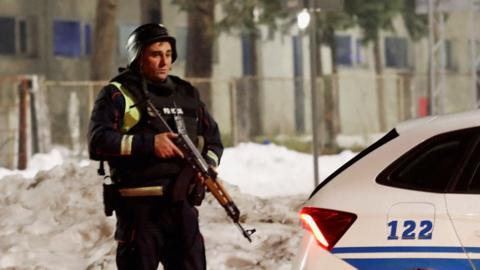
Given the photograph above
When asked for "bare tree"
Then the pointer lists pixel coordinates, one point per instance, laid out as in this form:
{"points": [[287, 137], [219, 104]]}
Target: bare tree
{"points": [[372, 16], [151, 11], [200, 40], [327, 25], [104, 40]]}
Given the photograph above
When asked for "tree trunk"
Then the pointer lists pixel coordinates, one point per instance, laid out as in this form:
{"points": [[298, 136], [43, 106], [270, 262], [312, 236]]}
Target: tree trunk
{"points": [[255, 98], [380, 85], [200, 39], [242, 111], [151, 11], [335, 85], [247, 92], [330, 105], [104, 40]]}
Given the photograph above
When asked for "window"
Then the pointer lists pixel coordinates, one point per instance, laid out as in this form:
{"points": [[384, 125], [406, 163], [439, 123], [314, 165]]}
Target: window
{"points": [[449, 58], [23, 37], [87, 33], [18, 36], [7, 30], [396, 52], [297, 56], [432, 165], [471, 182], [66, 38], [349, 51], [343, 50], [247, 55], [469, 179]]}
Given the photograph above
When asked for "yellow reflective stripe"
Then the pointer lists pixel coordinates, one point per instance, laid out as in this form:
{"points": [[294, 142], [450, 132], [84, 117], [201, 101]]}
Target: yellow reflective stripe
{"points": [[131, 115], [126, 145], [200, 143], [213, 156]]}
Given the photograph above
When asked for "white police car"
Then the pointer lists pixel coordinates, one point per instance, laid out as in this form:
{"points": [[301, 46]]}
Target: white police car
{"points": [[410, 201]]}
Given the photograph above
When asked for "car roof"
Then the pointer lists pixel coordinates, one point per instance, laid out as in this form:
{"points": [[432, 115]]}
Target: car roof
{"points": [[441, 123]]}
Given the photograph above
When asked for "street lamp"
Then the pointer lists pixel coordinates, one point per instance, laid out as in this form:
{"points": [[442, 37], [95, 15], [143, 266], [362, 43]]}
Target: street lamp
{"points": [[307, 17], [303, 19]]}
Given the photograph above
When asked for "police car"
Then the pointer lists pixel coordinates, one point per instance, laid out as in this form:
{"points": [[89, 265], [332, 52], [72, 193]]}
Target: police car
{"points": [[410, 201]]}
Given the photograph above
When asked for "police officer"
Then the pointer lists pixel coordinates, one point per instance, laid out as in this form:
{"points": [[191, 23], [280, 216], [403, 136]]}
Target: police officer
{"points": [[145, 164]]}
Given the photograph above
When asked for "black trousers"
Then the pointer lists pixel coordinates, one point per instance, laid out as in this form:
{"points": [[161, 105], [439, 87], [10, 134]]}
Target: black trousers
{"points": [[151, 231]]}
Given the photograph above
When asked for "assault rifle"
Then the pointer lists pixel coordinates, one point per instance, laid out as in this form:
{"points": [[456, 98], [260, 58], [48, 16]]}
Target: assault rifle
{"points": [[201, 167]]}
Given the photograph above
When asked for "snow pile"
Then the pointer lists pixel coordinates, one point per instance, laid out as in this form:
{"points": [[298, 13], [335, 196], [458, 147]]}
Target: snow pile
{"points": [[38, 162], [272, 170], [55, 220]]}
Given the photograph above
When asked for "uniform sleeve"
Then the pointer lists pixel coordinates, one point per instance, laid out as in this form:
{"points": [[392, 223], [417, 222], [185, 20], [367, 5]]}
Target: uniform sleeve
{"points": [[213, 143], [105, 139]]}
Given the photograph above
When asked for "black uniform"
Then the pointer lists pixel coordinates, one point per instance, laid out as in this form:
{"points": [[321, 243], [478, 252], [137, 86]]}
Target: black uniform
{"points": [[152, 229]]}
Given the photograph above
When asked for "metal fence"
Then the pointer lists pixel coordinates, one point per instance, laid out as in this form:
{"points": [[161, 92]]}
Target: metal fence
{"points": [[69, 105], [25, 127], [57, 112], [8, 129]]}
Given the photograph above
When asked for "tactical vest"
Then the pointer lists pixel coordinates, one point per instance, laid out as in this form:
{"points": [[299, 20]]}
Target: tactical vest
{"points": [[137, 120], [185, 105]]}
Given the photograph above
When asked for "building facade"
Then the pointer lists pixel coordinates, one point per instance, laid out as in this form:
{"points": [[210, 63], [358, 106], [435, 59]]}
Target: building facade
{"points": [[54, 39]]}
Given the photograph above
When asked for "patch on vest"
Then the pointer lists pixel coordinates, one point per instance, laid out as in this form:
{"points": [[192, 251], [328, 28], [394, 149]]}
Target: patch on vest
{"points": [[175, 111], [166, 111]]}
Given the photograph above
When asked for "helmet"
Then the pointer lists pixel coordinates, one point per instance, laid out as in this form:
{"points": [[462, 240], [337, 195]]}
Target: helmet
{"points": [[145, 35]]}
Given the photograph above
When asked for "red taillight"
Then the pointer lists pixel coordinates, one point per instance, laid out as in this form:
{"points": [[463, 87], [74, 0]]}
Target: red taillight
{"points": [[328, 226]]}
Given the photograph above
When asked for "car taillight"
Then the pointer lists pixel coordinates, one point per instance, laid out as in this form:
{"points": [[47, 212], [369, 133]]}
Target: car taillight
{"points": [[327, 226]]}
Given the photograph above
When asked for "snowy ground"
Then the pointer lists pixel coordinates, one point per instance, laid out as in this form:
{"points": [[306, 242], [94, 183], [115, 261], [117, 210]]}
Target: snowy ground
{"points": [[51, 215]]}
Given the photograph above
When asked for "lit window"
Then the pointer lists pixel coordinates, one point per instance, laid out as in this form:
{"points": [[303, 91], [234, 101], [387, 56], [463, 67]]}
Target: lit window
{"points": [[66, 38]]}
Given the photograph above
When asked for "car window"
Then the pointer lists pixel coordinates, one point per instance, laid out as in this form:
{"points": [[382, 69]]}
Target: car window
{"points": [[474, 183], [433, 165], [469, 179]]}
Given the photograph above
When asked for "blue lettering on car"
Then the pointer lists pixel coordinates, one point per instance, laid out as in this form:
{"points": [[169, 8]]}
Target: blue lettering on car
{"points": [[408, 230]]}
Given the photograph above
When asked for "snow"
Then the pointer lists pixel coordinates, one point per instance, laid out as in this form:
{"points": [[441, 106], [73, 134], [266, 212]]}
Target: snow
{"points": [[271, 170], [52, 215], [43, 162]]}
